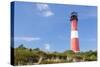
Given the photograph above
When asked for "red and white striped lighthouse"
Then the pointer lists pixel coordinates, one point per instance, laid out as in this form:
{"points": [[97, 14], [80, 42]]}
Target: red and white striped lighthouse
{"points": [[74, 33]]}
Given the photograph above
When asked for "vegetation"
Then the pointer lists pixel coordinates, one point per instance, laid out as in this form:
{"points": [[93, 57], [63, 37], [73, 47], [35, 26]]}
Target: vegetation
{"points": [[27, 56]]}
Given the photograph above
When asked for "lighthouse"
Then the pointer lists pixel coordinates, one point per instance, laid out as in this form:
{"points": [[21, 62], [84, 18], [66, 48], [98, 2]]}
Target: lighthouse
{"points": [[74, 32]]}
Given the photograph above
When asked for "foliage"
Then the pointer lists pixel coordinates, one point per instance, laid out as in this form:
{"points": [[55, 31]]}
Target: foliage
{"points": [[25, 56]]}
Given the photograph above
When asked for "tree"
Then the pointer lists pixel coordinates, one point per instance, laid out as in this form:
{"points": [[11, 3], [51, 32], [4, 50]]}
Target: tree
{"points": [[30, 50], [69, 53], [22, 46], [36, 49], [93, 57]]}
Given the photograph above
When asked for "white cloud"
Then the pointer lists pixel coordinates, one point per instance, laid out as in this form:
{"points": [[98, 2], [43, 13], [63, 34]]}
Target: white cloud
{"points": [[42, 6], [26, 38], [48, 13], [47, 46], [44, 10]]}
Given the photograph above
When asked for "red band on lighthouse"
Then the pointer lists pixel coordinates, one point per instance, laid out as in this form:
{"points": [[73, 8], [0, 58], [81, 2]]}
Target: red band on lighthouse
{"points": [[75, 44], [74, 25], [74, 33]]}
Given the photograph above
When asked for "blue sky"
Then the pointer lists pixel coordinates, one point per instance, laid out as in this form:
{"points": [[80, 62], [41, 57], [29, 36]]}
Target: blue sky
{"points": [[47, 26]]}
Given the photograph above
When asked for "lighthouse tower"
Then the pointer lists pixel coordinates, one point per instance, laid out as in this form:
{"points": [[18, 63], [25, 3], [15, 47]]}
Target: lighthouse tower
{"points": [[74, 32]]}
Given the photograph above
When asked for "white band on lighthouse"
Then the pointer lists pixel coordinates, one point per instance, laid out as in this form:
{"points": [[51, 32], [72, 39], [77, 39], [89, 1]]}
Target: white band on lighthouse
{"points": [[74, 34]]}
